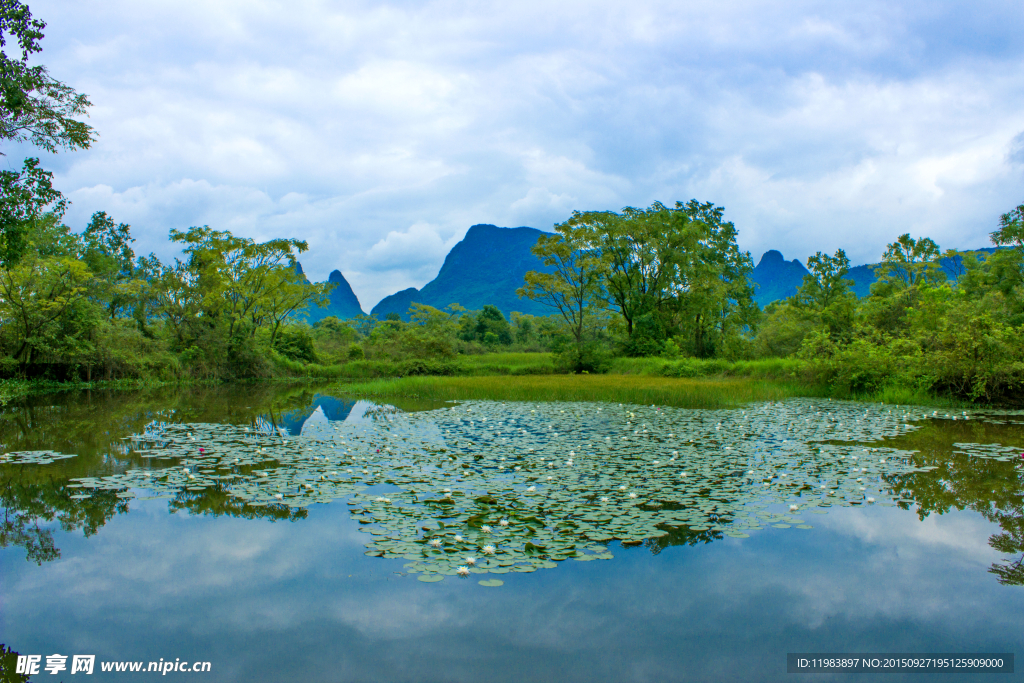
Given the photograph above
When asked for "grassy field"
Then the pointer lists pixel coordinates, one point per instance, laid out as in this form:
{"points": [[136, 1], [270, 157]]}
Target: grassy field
{"points": [[513, 376], [767, 368], [663, 391]]}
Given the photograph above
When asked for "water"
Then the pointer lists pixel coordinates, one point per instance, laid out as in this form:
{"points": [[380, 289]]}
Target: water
{"points": [[317, 538]]}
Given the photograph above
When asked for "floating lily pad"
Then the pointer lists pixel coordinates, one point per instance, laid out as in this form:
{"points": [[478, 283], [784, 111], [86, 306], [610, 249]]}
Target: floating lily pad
{"points": [[491, 583], [430, 578]]}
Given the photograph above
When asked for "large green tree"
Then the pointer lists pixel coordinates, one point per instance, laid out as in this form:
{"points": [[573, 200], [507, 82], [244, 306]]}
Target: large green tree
{"points": [[34, 108], [235, 282], [574, 286]]}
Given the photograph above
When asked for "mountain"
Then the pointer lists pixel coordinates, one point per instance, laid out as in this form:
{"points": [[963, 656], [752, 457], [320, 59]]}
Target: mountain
{"points": [[776, 278], [486, 267], [343, 302]]}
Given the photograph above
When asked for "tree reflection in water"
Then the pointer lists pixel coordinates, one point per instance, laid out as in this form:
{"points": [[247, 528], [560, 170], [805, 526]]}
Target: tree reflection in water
{"points": [[992, 488], [36, 499]]}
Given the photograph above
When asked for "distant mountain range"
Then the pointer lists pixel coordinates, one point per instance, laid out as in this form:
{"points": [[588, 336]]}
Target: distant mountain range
{"points": [[777, 278], [488, 265], [343, 302]]}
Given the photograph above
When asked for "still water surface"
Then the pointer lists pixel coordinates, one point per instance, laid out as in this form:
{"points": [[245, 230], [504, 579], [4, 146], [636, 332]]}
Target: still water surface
{"points": [[287, 534]]}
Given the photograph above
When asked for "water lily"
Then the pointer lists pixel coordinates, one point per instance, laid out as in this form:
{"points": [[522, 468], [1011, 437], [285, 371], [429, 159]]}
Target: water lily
{"points": [[794, 508], [531, 489], [462, 571], [503, 522], [632, 495], [471, 561], [435, 542], [458, 538], [486, 529], [488, 549]]}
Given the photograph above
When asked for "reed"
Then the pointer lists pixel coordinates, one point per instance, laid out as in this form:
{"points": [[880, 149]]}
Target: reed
{"points": [[641, 390]]}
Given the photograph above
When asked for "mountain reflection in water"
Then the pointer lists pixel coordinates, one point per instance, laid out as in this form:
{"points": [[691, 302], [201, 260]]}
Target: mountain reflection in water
{"points": [[950, 473]]}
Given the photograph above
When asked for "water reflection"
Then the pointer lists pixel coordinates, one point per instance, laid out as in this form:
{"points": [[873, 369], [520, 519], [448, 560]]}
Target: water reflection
{"points": [[518, 506], [962, 481], [220, 579]]}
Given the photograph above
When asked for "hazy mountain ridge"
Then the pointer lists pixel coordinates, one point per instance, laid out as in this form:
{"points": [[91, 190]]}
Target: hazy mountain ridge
{"points": [[777, 278], [486, 267], [342, 301]]}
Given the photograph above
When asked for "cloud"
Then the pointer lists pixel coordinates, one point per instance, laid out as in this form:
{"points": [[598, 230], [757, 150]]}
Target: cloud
{"points": [[817, 125]]}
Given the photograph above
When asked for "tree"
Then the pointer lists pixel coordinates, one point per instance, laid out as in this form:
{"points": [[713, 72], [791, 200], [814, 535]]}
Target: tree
{"points": [[35, 294], [574, 288], [1007, 265], [909, 263], [34, 107], [1011, 229], [713, 296], [286, 292], [240, 281], [25, 197], [492, 328], [826, 283], [37, 109], [108, 253]]}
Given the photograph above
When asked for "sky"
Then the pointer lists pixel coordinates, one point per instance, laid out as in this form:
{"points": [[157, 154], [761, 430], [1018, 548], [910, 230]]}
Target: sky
{"points": [[381, 131]]}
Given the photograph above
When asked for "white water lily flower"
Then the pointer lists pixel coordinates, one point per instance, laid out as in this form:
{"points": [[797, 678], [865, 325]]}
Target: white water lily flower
{"points": [[604, 500], [871, 500], [488, 550], [503, 522], [532, 489], [794, 508], [622, 488], [462, 571], [486, 529], [471, 561], [657, 462], [632, 495], [278, 496], [458, 538], [435, 542]]}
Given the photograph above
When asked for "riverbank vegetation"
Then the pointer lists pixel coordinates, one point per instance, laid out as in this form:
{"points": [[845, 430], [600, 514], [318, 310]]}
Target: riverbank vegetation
{"points": [[661, 292]]}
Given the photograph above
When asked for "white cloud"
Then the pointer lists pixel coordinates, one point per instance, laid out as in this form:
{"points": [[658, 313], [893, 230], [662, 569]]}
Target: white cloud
{"points": [[817, 125]]}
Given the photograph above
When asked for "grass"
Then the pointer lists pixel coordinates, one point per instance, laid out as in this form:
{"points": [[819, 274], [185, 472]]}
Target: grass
{"points": [[523, 376], [664, 391], [521, 363], [766, 368]]}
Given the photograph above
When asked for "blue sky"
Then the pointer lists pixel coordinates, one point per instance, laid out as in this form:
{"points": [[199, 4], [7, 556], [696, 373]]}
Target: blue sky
{"points": [[380, 132]]}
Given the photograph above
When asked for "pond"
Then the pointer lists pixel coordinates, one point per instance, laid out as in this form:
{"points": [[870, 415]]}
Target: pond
{"points": [[284, 533]]}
